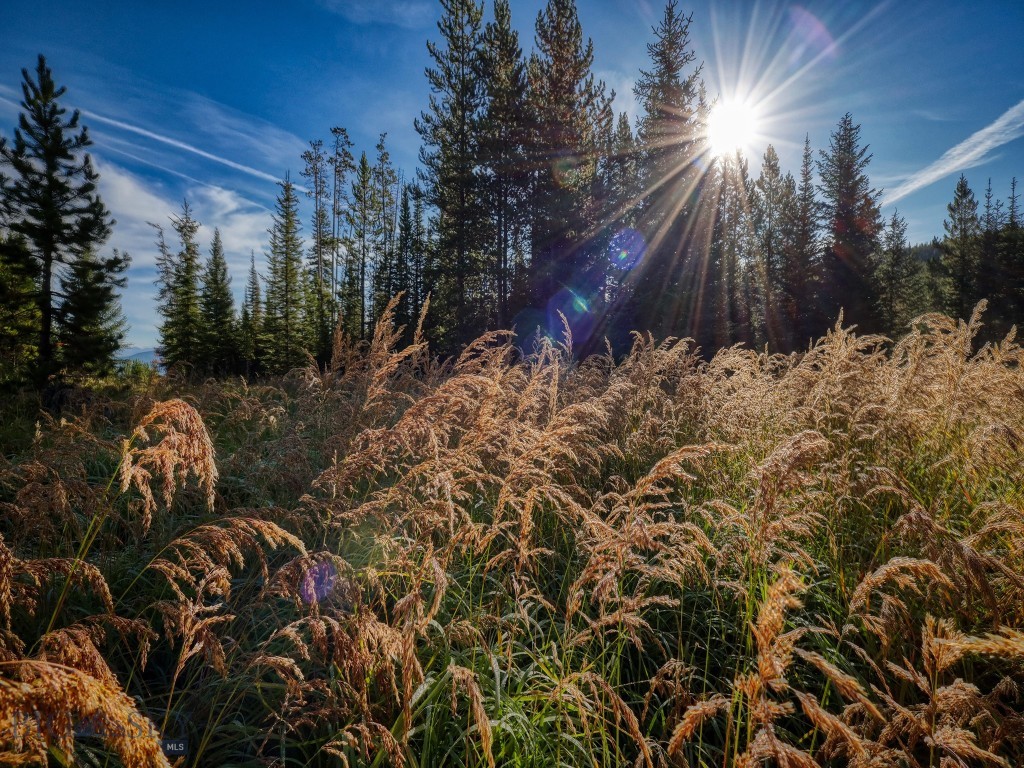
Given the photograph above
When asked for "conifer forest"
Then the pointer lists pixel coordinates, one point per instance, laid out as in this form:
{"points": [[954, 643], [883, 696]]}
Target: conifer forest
{"points": [[578, 444]]}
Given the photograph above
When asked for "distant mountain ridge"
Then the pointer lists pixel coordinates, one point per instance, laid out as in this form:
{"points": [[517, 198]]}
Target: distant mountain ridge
{"points": [[141, 355]]}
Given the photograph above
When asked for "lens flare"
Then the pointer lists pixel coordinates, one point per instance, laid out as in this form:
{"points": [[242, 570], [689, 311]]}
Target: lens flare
{"points": [[576, 308], [626, 249], [317, 582], [810, 38], [564, 170]]}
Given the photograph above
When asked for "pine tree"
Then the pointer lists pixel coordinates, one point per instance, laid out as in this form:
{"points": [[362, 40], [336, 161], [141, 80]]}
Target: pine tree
{"points": [[219, 349], [342, 164], [19, 309], [419, 253], [670, 139], [737, 299], [359, 251], [403, 277], [960, 250], [567, 108], [319, 266], [503, 145], [1011, 259], [286, 321], [774, 197], [181, 331], [385, 214], [51, 198], [900, 279], [853, 225], [450, 158], [89, 323], [800, 272], [625, 247], [250, 325]]}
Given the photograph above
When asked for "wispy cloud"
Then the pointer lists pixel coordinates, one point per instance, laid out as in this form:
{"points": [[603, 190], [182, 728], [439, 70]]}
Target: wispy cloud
{"points": [[410, 14], [968, 153], [135, 201], [178, 145]]}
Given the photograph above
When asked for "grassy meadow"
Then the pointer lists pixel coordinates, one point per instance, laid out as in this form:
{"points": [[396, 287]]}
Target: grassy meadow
{"points": [[518, 559]]}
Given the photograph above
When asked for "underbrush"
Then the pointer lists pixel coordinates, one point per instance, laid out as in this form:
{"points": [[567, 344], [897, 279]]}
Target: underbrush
{"points": [[527, 560]]}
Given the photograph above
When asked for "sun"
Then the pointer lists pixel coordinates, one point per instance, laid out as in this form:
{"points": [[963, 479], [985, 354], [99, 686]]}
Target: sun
{"points": [[732, 127]]}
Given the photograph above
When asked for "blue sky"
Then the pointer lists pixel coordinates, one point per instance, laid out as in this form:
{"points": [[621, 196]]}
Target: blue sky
{"points": [[216, 101]]}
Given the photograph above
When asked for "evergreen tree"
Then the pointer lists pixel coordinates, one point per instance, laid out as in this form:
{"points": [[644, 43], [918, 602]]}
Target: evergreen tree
{"points": [[19, 310], [53, 207], [250, 325], [385, 214], [181, 332], [992, 277], [800, 271], [403, 278], [419, 254], [960, 250], [315, 172], [342, 164], [359, 251], [1011, 260], [450, 158], [671, 281], [219, 350], [625, 246], [852, 228], [733, 246], [503, 145], [774, 197], [286, 321], [900, 279], [89, 323]]}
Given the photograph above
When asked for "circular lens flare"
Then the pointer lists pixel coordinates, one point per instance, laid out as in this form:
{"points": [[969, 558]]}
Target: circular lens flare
{"points": [[626, 249], [732, 126], [317, 582]]}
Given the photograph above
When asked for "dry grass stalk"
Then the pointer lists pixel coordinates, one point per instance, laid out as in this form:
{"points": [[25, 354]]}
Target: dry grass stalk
{"points": [[41, 704], [465, 679], [170, 443]]}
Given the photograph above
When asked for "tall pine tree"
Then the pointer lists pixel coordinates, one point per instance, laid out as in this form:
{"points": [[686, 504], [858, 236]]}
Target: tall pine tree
{"points": [[503, 144], [89, 323], [181, 332], [800, 272], [853, 225], [286, 319], [671, 281], [450, 157], [960, 250], [219, 350], [54, 209]]}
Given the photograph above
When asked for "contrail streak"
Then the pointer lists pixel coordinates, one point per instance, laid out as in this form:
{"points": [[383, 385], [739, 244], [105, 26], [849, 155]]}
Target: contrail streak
{"points": [[180, 145], [967, 154]]}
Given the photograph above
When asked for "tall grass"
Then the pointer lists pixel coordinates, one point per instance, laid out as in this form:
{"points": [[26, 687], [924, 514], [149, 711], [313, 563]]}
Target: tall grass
{"points": [[527, 560]]}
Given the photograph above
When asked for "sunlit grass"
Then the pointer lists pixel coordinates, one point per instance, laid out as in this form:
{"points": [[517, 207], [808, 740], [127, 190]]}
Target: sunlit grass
{"points": [[530, 561]]}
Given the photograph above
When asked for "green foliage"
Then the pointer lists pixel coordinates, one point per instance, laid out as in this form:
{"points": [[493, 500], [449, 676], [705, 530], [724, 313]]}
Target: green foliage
{"points": [[19, 311], [90, 325], [450, 174], [251, 339], [286, 319], [900, 276], [52, 211], [853, 226], [178, 275], [218, 352], [960, 249]]}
